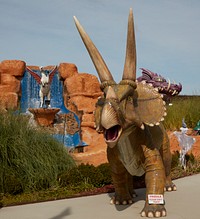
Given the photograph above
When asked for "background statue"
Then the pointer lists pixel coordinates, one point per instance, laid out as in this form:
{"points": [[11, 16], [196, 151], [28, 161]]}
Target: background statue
{"points": [[45, 81], [164, 87], [130, 114], [185, 142]]}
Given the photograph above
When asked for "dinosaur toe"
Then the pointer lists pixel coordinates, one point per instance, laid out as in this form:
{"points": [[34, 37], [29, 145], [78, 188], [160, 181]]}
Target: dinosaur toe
{"points": [[154, 211]]}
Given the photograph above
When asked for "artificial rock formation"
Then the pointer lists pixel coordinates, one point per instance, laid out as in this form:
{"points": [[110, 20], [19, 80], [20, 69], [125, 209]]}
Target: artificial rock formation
{"points": [[81, 91], [11, 72]]}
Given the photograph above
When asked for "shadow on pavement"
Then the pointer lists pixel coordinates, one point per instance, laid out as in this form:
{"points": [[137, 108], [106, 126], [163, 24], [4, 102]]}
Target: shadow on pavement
{"points": [[140, 196], [63, 214]]}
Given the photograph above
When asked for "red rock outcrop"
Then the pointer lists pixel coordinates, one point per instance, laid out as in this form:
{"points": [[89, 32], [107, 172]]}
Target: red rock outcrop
{"points": [[67, 70], [13, 67], [82, 90], [11, 72]]}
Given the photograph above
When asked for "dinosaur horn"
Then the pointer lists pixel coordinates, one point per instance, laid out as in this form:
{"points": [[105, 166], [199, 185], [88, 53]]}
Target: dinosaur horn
{"points": [[130, 61], [100, 65]]}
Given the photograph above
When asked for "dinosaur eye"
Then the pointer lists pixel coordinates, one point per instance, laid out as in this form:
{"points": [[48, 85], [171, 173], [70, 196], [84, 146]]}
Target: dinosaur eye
{"points": [[159, 79], [100, 101]]}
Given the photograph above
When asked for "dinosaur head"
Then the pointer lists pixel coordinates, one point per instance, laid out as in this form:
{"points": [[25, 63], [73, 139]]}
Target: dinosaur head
{"points": [[126, 104], [164, 87], [117, 114]]}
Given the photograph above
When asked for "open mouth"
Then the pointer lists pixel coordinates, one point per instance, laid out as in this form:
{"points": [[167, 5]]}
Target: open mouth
{"points": [[112, 133]]}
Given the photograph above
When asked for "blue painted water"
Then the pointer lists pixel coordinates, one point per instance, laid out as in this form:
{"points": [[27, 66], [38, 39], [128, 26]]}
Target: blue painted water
{"points": [[30, 99]]}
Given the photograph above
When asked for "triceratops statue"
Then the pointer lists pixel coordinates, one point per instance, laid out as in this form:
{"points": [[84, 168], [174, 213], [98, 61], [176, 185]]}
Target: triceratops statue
{"points": [[130, 116]]}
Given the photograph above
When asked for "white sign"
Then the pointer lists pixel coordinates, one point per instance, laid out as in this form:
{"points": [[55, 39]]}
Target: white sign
{"points": [[156, 199]]}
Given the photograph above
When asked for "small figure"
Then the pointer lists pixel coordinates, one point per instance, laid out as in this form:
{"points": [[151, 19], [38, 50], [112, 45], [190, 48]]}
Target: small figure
{"points": [[185, 142], [45, 81], [197, 128]]}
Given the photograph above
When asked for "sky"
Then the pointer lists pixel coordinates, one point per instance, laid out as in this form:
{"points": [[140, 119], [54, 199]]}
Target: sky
{"points": [[42, 32]]}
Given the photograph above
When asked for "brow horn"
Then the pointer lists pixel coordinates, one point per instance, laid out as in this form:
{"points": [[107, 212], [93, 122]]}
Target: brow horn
{"points": [[130, 61], [100, 65]]}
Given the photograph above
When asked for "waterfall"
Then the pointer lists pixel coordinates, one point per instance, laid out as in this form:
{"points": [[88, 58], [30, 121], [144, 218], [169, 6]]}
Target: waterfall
{"points": [[30, 99]]}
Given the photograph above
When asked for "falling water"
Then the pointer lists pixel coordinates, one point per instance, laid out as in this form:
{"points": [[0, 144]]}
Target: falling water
{"points": [[30, 99]]}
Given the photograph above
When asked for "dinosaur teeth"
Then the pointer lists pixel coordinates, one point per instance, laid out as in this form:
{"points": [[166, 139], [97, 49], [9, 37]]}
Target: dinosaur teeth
{"points": [[174, 93], [164, 103], [156, 89], [151, 124], [143, 82], [111, 201], [157, 123], [142, 126], [168, 85], [165, 113], [162, 119]]}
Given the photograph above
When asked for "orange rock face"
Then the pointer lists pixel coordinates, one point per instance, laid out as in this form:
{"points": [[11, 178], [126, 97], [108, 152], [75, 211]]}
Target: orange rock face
{"points": [[67, 70], [82, 90], [11, 82], [11, 71], [8, 100], [82, 83], [13, 67], [81, 93], [87, 104]]}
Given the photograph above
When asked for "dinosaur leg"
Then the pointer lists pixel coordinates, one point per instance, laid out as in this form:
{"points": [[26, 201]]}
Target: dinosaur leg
{"points": [[167, 158], [122, 180], [155, 182]]}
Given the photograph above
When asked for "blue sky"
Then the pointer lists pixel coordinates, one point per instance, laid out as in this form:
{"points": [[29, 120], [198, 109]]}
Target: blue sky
{"points": [[42, 32]]}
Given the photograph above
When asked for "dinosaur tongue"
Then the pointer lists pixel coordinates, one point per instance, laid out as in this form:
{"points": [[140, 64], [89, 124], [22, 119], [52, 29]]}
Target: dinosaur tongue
{"points": [[112, 133]]}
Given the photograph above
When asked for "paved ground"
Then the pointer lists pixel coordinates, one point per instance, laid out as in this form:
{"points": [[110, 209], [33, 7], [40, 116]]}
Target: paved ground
{"points": [[182, 204]]}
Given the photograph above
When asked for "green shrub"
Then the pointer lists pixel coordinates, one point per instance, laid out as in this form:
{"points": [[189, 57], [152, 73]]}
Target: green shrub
{"points": [[87, 174], [188, 108], [190, 160], [175, 159], [105, 173], [29, 159]]}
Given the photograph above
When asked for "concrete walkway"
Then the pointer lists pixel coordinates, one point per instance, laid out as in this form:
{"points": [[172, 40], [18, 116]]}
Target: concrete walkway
{"points": [[182, 204]]}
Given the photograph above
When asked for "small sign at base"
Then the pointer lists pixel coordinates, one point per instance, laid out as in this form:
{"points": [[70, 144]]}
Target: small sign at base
{"points": [[155, 199]]}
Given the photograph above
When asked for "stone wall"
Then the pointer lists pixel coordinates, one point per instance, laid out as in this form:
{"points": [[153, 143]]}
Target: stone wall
{"points": [[81, 91]]}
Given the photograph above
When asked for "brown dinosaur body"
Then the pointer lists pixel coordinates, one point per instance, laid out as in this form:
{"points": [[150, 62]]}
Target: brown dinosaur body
{"points": [[130, 115]]}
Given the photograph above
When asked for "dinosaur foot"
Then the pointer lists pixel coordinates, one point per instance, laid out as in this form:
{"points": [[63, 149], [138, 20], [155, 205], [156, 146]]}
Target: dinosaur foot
{"points": [[117, 201], [170, 187], [153, 211]]}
